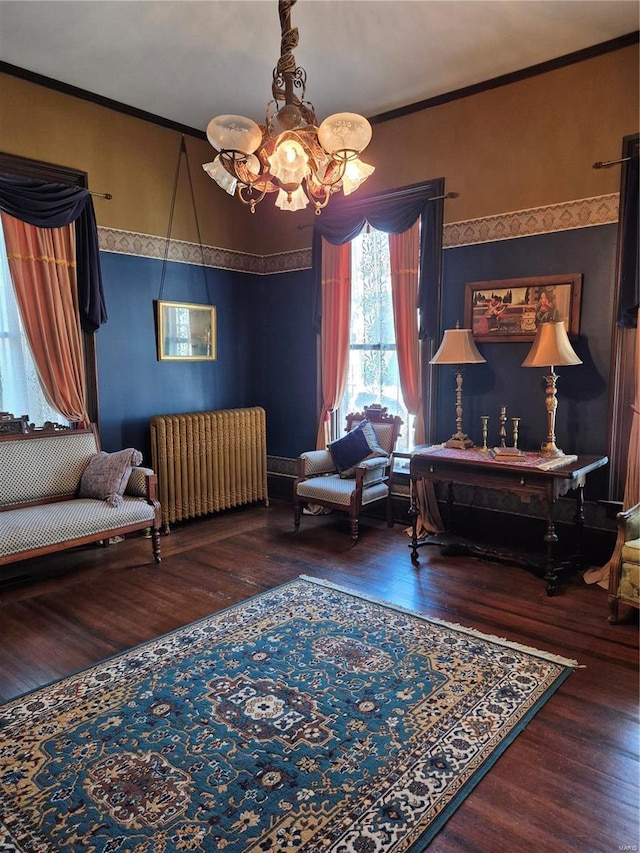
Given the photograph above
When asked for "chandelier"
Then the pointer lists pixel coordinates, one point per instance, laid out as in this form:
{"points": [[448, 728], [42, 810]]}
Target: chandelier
{"points": [[289, 154]]}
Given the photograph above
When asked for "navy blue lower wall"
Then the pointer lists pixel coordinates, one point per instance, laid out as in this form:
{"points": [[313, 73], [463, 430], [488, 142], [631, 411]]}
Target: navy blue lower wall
{"points": [[132, 383], [285, 361], [266, 353], [582, 390]]}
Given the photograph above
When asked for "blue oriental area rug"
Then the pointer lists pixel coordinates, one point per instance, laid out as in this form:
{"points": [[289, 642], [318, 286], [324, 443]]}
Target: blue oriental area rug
{"points": [[306, 719]]}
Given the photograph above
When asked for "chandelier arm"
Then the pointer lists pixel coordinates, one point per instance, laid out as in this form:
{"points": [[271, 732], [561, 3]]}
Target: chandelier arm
{"points": [[250, 199], [342, 168], [230, 157], [319, 205]]}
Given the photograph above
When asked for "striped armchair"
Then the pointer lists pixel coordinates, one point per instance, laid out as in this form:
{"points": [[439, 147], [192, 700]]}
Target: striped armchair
{"points": [[324, 482], [624, 567]]}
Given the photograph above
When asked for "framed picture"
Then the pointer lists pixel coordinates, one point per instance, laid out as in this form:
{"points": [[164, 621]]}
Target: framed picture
{"points": [[186, 332], [512, 309]]}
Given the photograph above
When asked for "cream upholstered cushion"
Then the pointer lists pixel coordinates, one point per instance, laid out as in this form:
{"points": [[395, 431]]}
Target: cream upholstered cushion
{"points": [[106, 476], [49, 467], [137, 483], [47, 524], [629, 586], [336, 489], [317, 462]]}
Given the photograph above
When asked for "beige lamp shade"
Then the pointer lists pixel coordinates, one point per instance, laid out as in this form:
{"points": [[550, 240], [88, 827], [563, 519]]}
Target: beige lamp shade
{"points": [[551, 347], [457, 347]]}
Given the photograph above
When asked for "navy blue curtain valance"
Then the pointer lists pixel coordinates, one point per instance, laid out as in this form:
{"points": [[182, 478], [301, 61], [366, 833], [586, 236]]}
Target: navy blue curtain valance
{"points": [[630, 249], [48, 205], [394, 213]]}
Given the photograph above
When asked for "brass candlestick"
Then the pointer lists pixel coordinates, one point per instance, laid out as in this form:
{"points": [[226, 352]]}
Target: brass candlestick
{"points": [[515, 422], [485, 430], [503, 428]]}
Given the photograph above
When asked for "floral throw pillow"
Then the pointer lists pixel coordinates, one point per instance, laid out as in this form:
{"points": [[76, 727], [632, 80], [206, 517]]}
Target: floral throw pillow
{"points": [[105, 477]]}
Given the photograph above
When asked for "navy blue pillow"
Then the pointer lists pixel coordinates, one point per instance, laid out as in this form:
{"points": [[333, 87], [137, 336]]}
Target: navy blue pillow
{"points": [[358, 444]]}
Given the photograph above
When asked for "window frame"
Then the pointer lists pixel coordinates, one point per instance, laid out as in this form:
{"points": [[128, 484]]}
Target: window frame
{"points": [[11, 164], [337, 421], [622, 367]]}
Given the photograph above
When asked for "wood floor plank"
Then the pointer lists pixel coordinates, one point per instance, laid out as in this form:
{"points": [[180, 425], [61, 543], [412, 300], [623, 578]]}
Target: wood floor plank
{"points": [[569, 781]]}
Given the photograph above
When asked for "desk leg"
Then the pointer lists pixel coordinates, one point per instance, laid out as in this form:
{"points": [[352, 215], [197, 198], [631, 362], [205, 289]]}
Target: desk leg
{"points": [[414, 512], [579, 525], [550, 538]]}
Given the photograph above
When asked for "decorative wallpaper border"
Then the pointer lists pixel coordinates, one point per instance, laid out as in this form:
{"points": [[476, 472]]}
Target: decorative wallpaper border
{"points": [[148, 246], [583, 213]]}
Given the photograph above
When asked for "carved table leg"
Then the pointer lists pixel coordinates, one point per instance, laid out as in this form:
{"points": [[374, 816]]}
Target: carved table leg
{"points": [[578, 521], [550, 538], [414, 512]]}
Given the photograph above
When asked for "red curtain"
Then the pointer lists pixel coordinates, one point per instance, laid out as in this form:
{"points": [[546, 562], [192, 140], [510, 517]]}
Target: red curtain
{"points": [[334, 331], [42, 262], [632, 485], [404, 251]]}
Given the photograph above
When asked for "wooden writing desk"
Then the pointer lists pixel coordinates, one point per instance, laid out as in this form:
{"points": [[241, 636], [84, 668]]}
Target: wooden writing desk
{"points": [[530, 476]]}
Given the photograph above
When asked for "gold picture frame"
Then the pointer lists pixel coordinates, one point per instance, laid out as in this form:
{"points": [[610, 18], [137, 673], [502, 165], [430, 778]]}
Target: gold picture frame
{"points": [[186, 331], [511, 310]]}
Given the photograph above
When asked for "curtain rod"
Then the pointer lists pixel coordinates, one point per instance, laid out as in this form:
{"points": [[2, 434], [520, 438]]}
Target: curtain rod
{"points": [[108, 196], [606, 164]]}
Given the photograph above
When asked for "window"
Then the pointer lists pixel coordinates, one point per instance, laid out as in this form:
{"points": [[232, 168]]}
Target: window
{"points": [[11, 164], [20, 389], [373, 364]]}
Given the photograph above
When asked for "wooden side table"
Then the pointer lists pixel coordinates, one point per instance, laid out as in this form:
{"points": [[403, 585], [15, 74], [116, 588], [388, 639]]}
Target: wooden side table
{"points": [[532, 475]]}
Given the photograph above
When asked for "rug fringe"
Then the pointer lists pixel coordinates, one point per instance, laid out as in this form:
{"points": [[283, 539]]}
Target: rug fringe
{"points": [[473, 632]]}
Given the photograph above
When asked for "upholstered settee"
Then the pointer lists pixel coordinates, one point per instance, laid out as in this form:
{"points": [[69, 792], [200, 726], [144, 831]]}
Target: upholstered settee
{"points": [[58, 491]]}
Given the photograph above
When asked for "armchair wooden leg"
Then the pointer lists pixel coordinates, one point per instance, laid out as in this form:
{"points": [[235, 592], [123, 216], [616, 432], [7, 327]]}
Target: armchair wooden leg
{"points": [[389, 512], [155, 544], [296, 515], [613, 609]]}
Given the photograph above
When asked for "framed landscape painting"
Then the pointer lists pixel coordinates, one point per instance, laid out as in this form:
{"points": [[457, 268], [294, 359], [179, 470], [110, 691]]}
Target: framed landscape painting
{"points": [[512, 309]]}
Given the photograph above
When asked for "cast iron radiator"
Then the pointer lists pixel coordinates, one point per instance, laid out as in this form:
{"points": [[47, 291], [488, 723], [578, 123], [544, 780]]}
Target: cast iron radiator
{"points": [[209, 461]]}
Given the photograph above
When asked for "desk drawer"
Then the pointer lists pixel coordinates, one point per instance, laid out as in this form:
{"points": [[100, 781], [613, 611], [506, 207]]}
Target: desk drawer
{"points": [[519, 482]]}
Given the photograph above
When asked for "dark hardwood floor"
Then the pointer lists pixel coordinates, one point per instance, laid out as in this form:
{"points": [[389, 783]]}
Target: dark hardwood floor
{"points": [[569, 782]]}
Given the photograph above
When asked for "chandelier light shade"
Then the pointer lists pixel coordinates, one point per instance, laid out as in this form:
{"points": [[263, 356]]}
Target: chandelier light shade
{"points": [[458, 348], [289, 155], [551, 348]]}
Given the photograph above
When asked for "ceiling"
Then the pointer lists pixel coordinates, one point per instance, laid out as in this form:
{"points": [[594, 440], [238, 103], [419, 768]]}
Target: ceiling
{"points": [[189, 60]]}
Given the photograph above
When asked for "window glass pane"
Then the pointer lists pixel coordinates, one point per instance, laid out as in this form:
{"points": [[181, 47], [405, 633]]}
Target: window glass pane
{"points": [[373, 363], [20, 389]]}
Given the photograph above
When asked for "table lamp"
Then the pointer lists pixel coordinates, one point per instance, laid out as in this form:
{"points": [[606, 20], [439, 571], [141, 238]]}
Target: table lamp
{"points": [[550, 348], [458, 347]]}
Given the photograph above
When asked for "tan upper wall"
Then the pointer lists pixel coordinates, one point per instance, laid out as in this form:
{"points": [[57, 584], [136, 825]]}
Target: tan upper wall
{"points": [[134, 160], [523, 145]]}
